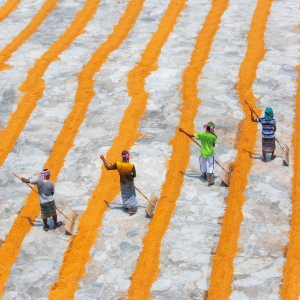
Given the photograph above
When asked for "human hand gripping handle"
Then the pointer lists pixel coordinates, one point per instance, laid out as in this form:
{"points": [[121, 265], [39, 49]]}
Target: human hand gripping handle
{"points": [[105, 162], [251, 109], [24, 180], [190, 136]]}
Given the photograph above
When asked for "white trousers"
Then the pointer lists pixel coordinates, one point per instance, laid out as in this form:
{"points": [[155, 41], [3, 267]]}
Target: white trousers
{"points": [[210, 161]]}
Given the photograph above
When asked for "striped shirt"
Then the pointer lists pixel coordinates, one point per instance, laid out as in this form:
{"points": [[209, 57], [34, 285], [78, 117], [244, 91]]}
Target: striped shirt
{"points": [[267, 127]]}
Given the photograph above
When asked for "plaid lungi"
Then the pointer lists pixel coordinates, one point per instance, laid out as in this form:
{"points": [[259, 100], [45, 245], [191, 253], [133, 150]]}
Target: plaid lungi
{"points": [[128, 195], [48, 210], [268, 145]]}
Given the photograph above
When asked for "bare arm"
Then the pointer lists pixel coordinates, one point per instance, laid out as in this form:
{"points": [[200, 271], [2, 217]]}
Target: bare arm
{"points": [[252, 116], [25, 180], [133, 172], [188, 134], [107, 166], [274, 128]]}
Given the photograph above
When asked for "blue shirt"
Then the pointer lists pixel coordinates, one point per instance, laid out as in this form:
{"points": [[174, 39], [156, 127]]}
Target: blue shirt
{"points": [[267, 128]]}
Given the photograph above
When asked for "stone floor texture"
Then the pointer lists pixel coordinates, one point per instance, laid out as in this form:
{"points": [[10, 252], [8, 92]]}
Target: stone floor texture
{"points": [[83, 78]]}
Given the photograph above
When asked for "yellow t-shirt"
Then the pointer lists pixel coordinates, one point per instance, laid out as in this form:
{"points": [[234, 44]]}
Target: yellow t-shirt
{"points": [[124, 167], [125, 170]]}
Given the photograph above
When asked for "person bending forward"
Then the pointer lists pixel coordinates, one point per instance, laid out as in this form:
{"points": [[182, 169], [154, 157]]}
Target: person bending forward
{"points": [[46, 192], [208, 140], [127, 174]]}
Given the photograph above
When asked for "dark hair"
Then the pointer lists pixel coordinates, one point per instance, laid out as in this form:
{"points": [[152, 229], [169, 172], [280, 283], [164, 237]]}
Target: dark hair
{"points": [[208, 128], [45, 170]]}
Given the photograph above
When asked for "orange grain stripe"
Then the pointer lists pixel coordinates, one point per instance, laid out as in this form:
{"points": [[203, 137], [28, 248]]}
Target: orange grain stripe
{"points": [[34, 85], [222, 268], [10, 250], [12, 245], [291, 273], [108, 187], [147, 268], [77, 255], [8, 8], [25, 34]]}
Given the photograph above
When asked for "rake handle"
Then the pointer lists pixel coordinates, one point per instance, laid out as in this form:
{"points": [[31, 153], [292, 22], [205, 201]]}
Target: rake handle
{"points": [[134, 187], [195, 141], [144, 196], [25, 182], [64, 214], [221, 167], [252, 109], [37, 192], [279, 144]]}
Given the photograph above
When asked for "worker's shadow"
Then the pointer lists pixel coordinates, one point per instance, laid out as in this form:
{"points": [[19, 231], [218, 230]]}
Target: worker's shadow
{"points": [[193, 175], [34, 222], [198, 175], [119, 206], [260, 157], [254, 155]]}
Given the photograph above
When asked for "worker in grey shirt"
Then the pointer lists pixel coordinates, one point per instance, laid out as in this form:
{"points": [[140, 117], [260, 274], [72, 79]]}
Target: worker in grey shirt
{"points": [[47, 203]]}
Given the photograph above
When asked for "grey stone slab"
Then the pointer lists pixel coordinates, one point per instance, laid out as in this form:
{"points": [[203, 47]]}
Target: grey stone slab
{"points": [[191, 240]]}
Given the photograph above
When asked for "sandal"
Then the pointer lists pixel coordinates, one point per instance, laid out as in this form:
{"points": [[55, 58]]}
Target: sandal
{"points": [[58, 224], [46, 228]]}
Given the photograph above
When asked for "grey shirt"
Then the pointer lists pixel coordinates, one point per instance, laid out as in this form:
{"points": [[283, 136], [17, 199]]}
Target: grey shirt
{"points": [[45, 189]]}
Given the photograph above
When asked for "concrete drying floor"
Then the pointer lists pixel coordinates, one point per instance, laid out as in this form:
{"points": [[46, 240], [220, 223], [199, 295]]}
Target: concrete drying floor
{"points": [[84, 78]]}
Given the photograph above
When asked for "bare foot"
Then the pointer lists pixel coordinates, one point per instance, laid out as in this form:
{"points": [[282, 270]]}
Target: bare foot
{"points": [[204, 176], [209, 178], [264, 160], [273, 157], [131, 211], [58, 224]]}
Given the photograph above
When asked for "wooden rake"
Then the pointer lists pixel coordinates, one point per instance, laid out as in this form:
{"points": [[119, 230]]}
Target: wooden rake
{"points": [[69, 226], [151, 202], [226, 171], [286, 152]]}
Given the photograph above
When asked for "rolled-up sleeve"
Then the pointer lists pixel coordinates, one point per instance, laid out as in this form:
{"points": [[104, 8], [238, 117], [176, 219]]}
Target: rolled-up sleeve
{"points": [[34, 180]]}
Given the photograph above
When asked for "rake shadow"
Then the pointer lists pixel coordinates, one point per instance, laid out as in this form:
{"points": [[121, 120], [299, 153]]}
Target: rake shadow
{"points": [[254, 155], [259, 156], [33, 222], [193, 175], [112, 205]]}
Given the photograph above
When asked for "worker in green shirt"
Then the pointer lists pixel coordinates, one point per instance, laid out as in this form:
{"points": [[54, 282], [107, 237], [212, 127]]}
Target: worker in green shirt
{"points": [[208, 140]]}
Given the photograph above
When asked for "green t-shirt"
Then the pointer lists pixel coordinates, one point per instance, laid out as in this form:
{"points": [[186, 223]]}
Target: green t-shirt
{"points": [[207, 140]]}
